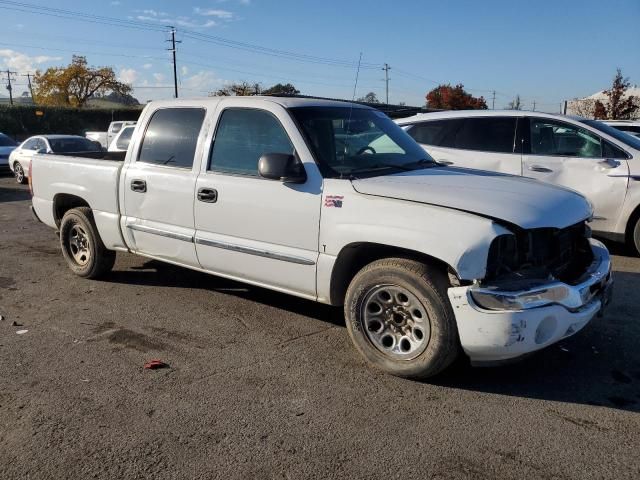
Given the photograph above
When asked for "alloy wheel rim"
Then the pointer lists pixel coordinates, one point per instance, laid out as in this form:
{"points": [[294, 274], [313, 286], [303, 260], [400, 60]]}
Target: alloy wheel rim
{"points": [[396, 322], [79, 248], [19, 173]]}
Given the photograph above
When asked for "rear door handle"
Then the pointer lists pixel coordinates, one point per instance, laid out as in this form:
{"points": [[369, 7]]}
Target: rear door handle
{"points": [[539, 168], [139, 186], [208, 195]]}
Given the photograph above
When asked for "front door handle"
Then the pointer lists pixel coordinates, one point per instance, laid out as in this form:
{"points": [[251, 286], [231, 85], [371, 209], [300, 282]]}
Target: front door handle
{"points": [[539, 168], [139, 186], [208, 195]]}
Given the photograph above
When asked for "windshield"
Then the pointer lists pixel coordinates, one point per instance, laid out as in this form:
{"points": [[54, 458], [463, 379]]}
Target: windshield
{"points": [[349, 141], [7, 141], [73, 144], [615, 133]]}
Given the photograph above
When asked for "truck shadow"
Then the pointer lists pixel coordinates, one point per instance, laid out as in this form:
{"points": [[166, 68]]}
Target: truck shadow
{"points": [[599, 366], [14, 194]]}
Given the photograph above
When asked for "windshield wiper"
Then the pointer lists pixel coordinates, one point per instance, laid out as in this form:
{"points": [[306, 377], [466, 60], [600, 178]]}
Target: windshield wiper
{"points": [[380, 166]]}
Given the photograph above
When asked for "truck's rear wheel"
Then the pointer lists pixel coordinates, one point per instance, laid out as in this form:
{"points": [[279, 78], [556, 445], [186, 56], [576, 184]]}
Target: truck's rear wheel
{"points": [[400, 320], [18, 171], [635, 237], [82, 246]]}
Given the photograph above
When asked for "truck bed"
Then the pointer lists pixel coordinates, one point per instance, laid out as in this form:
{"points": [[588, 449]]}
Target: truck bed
{"points": [[56, 177]]}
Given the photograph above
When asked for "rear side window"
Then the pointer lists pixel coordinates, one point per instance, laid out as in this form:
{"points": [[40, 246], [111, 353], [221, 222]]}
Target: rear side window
{"points": [[611, 151], [172, 136], [243, 136], [487, 134], [440, 133]]}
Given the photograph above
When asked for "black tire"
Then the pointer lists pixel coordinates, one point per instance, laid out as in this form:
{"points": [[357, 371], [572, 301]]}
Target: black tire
{"points": [[428, 286], [18, 172], [635, 237], [97, 260]]}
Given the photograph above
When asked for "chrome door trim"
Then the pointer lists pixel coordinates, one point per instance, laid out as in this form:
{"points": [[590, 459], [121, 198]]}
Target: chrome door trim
{"points": [[254, 251], [160, 232]]}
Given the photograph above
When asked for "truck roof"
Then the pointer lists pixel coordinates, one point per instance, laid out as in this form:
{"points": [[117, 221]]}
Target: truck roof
{"points": [[286, 102]]}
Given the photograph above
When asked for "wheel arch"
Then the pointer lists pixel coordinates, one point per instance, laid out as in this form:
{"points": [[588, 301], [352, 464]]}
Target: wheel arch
{"points": [[63, 202], [631, 223], [354, 256]]}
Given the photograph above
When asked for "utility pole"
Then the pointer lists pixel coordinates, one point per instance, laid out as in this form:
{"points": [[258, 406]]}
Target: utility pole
{"points": [[173, 51], [386, 69], [534, 105], [493, 101], [9, 87], [28, 75]]}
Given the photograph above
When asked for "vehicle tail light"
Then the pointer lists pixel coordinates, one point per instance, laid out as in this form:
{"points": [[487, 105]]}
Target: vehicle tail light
{"points": [[29, 180]]}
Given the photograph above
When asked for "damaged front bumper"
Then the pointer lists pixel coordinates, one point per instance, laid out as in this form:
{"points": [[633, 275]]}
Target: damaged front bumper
{"points": [[496, 325]]}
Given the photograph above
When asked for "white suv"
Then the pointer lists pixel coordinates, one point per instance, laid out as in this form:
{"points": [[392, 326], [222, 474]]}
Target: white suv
{"points": [[595, 159]]}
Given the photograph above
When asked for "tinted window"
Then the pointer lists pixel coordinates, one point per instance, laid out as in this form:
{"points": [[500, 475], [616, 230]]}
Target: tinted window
{"points": [[40, 144], [488, 134], [125, 138], [627, 128], [171, 137], [71, 144], [243, 136], [441, 133], [552, 138], [6, 141], [611, 151]]}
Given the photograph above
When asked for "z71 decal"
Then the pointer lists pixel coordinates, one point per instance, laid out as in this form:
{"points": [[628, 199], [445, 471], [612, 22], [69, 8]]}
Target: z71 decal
{"points": [[333, 201]]}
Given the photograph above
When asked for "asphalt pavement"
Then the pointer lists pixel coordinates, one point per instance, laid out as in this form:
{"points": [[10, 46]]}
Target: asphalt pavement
{"points": [[262, 385]]}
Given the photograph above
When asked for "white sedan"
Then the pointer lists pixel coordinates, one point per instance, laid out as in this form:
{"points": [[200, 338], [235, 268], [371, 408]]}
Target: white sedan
{"points": [[20, 158]]}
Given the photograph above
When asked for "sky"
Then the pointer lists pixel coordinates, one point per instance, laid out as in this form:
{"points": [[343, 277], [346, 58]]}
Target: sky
{"points": [[545, 51]]}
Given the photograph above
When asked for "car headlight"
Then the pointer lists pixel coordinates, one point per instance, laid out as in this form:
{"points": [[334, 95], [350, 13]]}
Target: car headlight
{"points": [[501, 300]]}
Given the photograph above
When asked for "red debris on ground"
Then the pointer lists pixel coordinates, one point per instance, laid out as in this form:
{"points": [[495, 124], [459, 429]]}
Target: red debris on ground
{"points": [[155, 364]]}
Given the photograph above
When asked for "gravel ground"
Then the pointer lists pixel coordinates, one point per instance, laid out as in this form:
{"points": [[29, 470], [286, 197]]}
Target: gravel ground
{"points": [[262, 385]]}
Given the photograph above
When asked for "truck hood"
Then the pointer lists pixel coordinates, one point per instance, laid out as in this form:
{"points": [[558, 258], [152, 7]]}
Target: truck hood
{"points": [[519, 201]]}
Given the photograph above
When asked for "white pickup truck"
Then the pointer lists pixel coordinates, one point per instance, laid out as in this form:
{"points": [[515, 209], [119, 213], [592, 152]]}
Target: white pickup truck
{"points": [[105, 138], [335, 203]]}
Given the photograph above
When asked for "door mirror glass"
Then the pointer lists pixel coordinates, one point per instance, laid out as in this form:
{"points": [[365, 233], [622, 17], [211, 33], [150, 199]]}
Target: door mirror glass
{"points": [[281, 166]]}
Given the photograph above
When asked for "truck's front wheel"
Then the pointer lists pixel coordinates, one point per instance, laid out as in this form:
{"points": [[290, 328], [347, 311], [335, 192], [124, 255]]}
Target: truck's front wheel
{"points": [[400, 320], [82, 246]]}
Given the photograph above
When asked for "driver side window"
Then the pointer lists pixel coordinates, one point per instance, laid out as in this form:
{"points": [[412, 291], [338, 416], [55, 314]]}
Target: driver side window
{"points": [[30, 144], [557, 139]]}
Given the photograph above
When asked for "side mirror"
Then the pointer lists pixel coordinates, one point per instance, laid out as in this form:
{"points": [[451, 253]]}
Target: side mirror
{"points": [[41, 151], [281, 166]]}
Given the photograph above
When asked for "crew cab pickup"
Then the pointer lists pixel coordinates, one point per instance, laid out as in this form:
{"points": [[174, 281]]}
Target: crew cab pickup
{"points": [[333, 202]]}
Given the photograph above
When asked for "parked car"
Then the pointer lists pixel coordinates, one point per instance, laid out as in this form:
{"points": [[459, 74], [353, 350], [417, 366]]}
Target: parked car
{"points": [[423, 258], [631, 127], [7, 145], [120, 143], [588, 156], [20, 158], [105, 138]]}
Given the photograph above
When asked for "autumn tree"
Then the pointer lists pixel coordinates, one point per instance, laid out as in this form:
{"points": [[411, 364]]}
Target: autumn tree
{"points": [[447, 97], [370, 97], [75, 84], [280, 89], [618, 105]]}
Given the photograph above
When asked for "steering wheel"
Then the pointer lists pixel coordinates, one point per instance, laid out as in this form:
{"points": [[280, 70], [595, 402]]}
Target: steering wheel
{"points": [[364, 149]]}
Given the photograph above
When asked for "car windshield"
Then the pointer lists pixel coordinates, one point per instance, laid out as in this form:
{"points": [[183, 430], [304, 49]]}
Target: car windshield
{"points": [[7, 141], [351, 141], [73, 144], [625, 138]]}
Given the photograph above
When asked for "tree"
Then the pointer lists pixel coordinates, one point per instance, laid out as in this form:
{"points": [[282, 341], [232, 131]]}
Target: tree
{"points": [[619, 105], [76, 83], [446, 97], [240, 89], [370, 97], [516, 104], [600, 111], [280, 89]]}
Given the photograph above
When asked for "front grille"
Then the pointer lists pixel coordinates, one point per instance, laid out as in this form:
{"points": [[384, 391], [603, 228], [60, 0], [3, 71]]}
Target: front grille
{"points": [[541, 253]]}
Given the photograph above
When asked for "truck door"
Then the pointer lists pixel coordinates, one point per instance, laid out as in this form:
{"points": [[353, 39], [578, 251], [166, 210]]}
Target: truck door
{"points": [[567, 155], [248, 227], [159, 184]]}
